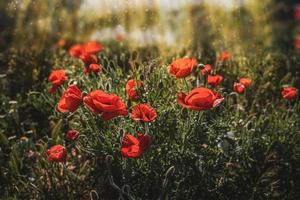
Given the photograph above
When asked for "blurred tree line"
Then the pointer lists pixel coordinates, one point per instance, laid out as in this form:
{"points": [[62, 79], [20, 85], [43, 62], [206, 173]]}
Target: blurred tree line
{"points": [[268, 23]]}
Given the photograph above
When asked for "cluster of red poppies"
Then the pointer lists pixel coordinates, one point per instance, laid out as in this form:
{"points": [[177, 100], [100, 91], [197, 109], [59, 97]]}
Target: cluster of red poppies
{"points": [[108, 106], [199, 98], [203, 98], [86, 52]]}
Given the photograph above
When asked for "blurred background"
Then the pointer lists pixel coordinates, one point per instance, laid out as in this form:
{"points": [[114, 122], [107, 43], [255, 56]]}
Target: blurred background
{"points": [[170, 25]]}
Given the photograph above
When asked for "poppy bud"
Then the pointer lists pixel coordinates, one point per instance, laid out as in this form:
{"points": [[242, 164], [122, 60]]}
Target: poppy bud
{"points": [[72, 135]]}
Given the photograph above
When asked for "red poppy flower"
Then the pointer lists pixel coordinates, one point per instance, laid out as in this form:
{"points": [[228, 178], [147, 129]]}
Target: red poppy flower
{"points": [[206, 70], [72, 135], [214, 80], [92, 47], [289, 93], [120, 37], [57, 153], [88, 58], [76, 50], [143, 112], [225, 56], [297, 12], [246, 82], [134, 147], [132, 88], [70, 100], [95, 68], [107, 105], [297, 43], [238, 88], [57, 78], [200, 99], [182, 67], [61, 42]]}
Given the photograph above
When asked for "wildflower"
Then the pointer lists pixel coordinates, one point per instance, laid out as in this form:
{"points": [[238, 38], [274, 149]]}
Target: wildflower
{"points": [[92, 47], [120, 37], [88, 58], [70, 100], [246, 82], [72, 135], [57, 153], [61, 42], [107, 105], [297, 43], [182, 67], [225, 56], [95, 68], [199, 99], [206, 70], [289, 93], [297, 13], [76, 50], [143, 112], [57, 78], [238, 88], [134, 147], [132, 87], [214, 80]]}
